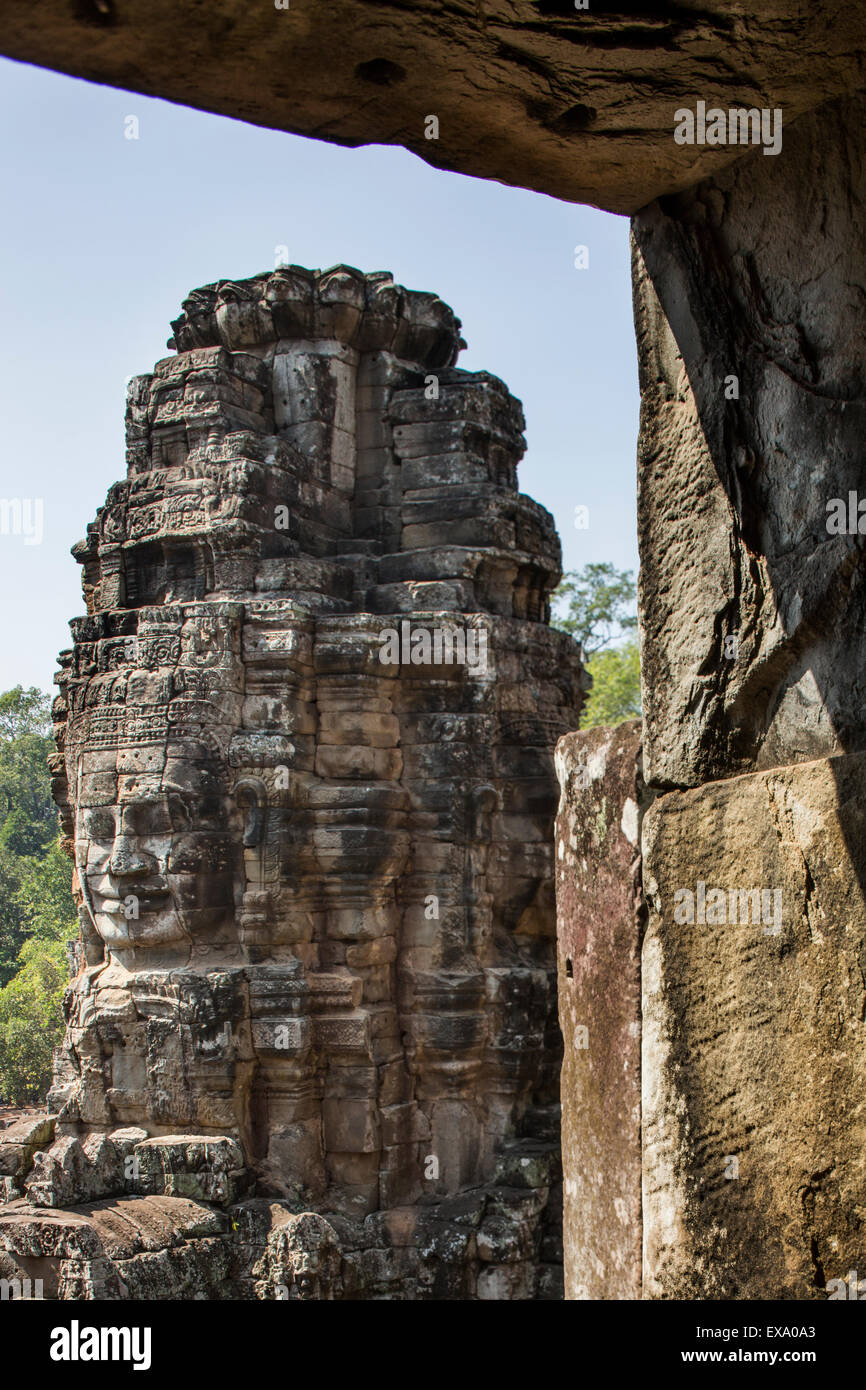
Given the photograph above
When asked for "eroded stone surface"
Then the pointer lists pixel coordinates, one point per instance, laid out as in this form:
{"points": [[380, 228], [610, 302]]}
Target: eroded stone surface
{"points": [[136, 1248], [754, 1047], [599, 926], [576, 103], [756, 276], [481, 1244], [19, 1143], [750, 328]]}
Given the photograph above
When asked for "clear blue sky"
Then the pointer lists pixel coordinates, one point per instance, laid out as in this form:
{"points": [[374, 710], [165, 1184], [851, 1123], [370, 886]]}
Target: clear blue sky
{"points": [[103, 237]]}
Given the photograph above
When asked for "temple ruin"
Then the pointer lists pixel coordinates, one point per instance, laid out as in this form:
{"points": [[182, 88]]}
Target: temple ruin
{"points": [[305, 767], [723, 1157]]}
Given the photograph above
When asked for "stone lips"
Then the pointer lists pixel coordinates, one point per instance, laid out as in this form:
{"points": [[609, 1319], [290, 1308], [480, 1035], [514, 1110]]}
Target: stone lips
{"points": [[316, 886]]}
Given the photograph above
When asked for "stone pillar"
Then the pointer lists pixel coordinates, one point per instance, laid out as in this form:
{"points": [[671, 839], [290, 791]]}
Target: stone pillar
{"points": [[752, 345], [599, 929], [306, 737], [754, 1049]]}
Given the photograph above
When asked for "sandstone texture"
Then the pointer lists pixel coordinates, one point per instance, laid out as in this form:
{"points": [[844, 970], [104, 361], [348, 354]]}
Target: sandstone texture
{"points": [[754, 1046], [305, 765], [756, 275], [599, 931], [749, 313], [577, 103], [20, 1142], [749, 319]]}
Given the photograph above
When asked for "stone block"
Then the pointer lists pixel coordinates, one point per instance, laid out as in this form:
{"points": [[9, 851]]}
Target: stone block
{"points": [[754, 1053], [350, 1126], [20, 1140], [200, 1167], [599, 928]]}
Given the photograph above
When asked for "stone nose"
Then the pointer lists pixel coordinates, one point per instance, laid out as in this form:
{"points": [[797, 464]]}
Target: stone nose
{"points": [[128, 860]]}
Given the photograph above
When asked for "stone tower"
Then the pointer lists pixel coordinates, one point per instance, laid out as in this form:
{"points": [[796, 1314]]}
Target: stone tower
{"points": [[305, 742]]}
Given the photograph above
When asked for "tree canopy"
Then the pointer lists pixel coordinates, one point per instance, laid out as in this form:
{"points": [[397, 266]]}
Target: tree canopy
{"points": [[37, 911], [599, 598], [598, 601]]}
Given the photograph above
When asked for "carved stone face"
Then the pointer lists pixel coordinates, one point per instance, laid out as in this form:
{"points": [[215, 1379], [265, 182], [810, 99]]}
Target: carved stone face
{"points": [[304, 1255], [307, 1277], [156, 857]]}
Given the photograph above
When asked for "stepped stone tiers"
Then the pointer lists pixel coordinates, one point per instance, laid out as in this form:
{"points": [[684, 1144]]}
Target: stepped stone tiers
{"points": [[312, 1047]]}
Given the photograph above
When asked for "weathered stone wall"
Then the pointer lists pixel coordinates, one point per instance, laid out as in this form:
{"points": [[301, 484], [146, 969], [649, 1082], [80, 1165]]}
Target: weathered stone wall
{"points": [[754, 1047], [756, 275], [750, 326]]}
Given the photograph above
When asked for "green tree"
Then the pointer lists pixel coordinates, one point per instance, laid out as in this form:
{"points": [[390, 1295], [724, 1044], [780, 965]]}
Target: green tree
{"points": [[28, 825], [37, 912], [24, 712], [45, 896], [31, 1021], [615, 693], [599, 599], [12, 917], [28, 818]]}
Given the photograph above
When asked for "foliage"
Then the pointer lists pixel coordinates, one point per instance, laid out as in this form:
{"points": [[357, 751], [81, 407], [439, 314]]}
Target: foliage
{"points": [[37, 912], [31, 1021], [24, 712], [615, 693], [599, 598], [28, 819]]}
